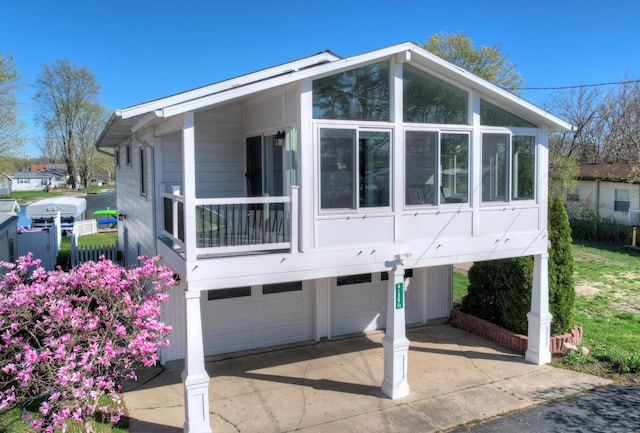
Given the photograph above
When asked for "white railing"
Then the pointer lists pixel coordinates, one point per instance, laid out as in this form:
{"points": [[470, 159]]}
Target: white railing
{"points": [[85, 227], [234, 225]]}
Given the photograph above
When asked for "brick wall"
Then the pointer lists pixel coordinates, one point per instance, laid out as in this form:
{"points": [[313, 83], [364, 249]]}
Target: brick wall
{"points": [[506, 338]]}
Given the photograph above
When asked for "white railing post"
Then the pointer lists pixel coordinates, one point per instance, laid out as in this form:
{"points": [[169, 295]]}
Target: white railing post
{"points": [[295, 194]]}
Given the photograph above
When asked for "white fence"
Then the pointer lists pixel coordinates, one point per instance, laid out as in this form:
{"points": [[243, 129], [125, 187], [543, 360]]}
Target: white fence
{"points": [[85, 227], [93, 253]]}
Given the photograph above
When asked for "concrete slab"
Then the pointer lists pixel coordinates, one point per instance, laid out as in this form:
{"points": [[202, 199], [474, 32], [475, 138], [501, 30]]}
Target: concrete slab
{"points": [[455, 377]]}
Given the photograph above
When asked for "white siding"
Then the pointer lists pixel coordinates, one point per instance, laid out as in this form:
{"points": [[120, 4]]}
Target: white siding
{"points": [[439, 292], [600, 197], [220, 165], [135, 234], [173, 314]]}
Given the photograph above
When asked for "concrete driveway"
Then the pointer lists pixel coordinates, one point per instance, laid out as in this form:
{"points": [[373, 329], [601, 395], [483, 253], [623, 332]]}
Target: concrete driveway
{"points": [[455, 378]]}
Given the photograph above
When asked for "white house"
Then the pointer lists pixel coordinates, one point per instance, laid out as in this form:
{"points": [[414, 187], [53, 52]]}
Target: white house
{"points": [[329, 196], [37, 181], [609, 190]]}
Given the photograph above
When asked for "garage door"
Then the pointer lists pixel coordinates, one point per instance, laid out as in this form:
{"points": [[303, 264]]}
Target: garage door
{"points": [[359, 303], [260, 316]]}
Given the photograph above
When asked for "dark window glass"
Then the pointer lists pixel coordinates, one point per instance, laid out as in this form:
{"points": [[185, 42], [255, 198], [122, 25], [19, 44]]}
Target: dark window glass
{"points": [[337, 161], [491, 115], [236, 292], [495, 167], [408, 273], [420, 167], [354, 279], [281, 287], [358, 94], [428, 99]]}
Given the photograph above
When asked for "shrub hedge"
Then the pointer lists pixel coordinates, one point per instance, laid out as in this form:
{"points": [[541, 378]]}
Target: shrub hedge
{"points": [[500, 290]]}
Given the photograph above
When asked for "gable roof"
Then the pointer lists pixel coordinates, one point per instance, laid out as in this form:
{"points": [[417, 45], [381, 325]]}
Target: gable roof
{"points": [[42, 174], [618, 172], [123, 122]]}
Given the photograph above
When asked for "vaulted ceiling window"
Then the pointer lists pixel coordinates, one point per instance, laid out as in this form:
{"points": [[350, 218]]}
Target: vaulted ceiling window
{"points": [[428, 99], [491, 115], [358, 94]]}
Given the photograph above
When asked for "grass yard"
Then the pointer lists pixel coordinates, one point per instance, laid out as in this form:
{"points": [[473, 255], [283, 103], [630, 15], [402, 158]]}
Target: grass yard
{"points": [[607, 307], [24, 197]]}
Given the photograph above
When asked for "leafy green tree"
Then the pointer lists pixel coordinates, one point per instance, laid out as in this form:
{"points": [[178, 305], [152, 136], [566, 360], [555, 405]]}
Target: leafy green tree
{"points": [[64, 92], [487, 61], [562, 293], [563, 173], [11, 128]]}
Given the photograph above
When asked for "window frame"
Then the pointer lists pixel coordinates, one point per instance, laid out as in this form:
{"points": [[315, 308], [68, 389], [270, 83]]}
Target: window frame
{"points": [[143, 170], [437, 159], [616, 201], [511, 132], [356, 129]]}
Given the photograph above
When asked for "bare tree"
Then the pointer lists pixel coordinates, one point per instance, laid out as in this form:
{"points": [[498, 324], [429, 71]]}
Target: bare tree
{"points": [[49, 147], [622, 116], [583, 108], [63, 92], [88, 129]]}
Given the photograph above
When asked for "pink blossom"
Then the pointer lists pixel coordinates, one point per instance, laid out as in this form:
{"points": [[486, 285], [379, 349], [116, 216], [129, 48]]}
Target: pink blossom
{"points": [[68, 337]]}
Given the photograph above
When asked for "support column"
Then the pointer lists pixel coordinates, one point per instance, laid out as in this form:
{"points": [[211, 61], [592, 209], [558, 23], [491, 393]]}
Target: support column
{"points": [[396, 345], [194, 376], [539, 317]]}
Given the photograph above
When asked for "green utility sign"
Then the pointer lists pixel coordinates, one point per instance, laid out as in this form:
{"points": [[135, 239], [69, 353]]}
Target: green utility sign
{"points": [[399, 296]]}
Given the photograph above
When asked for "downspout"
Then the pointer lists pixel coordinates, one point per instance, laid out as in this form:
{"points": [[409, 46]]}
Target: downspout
{"points": [[598, 198]]}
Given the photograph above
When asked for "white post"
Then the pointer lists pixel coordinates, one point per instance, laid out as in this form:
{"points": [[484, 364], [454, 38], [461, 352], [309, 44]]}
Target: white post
{"points": [[295, 193], [194, 376], [396, 345], [539, 317]]}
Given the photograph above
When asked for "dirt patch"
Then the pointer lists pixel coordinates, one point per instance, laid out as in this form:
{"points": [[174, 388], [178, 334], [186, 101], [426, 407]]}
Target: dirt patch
{"points": [[586, 290]]}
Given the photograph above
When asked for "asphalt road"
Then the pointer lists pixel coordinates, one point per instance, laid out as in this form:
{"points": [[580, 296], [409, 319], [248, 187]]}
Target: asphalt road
{"points": [[613, 408]]}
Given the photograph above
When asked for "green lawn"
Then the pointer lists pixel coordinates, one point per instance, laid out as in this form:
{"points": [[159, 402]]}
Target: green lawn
{"points": [[24, 197], [607, 307]]}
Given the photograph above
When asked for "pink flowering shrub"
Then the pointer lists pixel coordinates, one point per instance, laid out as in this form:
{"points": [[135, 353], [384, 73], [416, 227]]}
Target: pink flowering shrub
{"points": [[67, 338]]}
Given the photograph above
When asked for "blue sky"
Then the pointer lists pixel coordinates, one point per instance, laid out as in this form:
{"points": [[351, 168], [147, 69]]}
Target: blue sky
{"points": [[142, 50]]}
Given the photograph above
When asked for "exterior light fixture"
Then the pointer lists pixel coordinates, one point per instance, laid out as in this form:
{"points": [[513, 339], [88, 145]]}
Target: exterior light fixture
{"points": [[279, 138], [122, 216]]}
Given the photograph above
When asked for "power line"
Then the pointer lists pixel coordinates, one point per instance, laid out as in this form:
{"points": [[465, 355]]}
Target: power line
{"points": [[577, 86]]}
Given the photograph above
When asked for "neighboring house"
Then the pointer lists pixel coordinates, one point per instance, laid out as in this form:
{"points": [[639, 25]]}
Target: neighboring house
{"points": [[5, 184], [58, 168], [609, 190], [328, 196], [37, 181]]}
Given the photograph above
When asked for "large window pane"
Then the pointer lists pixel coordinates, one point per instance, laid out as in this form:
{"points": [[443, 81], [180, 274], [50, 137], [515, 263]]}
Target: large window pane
{"points": [[374, 168], [420, 167], [524, 167], [428, 99], [495, 170], [358, 94], [491, 115], [454, 168], [337, 168]]}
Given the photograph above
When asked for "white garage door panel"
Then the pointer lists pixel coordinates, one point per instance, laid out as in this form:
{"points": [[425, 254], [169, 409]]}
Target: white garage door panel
{"points": [[363, 307], [256, 321], [358, 308]]}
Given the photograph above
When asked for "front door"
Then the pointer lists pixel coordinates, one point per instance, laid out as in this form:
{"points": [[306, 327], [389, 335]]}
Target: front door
{"points": [[265, 174]]}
